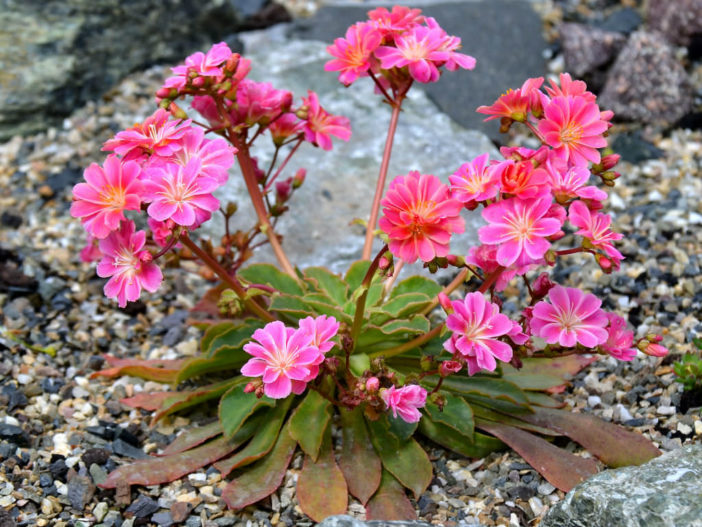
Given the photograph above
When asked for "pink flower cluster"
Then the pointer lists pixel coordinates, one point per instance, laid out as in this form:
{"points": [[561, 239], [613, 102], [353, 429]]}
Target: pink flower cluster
{"points": [[286, 358], [396, 47], [163, 164]]}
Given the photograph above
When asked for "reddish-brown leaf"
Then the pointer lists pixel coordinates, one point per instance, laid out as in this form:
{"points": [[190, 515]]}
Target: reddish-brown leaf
{"points": [[150, 401], [561, 468], [360, 464], [164, 371], [390, 502], [192, 438], [164, 469], [321, 488], [261, 479], [613, 444]]}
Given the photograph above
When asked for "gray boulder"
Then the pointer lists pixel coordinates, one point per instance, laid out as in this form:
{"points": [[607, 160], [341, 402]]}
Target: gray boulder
{"points": [[55, 55], [678, 20], [665, 492], [348, 521], [340, 184], [586, 48], [647, 83], [505, 36]]}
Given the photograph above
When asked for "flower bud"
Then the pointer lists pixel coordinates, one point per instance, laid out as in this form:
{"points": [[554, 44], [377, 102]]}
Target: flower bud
{"points": [[426, 363], [445, 303], [550, 257], [299, 178], [449, 367], [649, 345], [177, 111], [372, 385], [455, 260], [609, 161], [198, 82], [231, 209], [166, 93], [541, 285]]}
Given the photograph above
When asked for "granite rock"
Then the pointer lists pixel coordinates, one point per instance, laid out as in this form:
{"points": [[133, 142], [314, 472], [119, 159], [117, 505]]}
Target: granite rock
{"points": [[646, 82], [505, 37], [586, 48], [678, 20], [340, 184], [348, 521], [54, 55], [664, 492]]}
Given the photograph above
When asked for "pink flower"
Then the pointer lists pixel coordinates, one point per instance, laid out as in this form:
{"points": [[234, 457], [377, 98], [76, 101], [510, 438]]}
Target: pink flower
{"points": [[259, 102], [100, 202], [161, 230], [449, 367], [650, 346], [202, 64], [519, 228], [450, 44], [207, 107], [321, 125], [570, 181], [129, 267], [619, 340], [91, 251], [595, 227], [569, 87], [472, 182], [572, 317], [476, 324], [215, 156], [573, 127], [353, 53], [405, 401], [419, 217], [484, 257], [285, 358], [515, 104], [398, 20], [180, 193], [322, 329], [518, 178], [419, 48], [156, 135], [284, 127]]}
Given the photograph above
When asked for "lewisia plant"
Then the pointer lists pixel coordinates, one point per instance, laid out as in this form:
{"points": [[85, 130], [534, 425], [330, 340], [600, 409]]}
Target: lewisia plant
{"points": [[288, 354]]}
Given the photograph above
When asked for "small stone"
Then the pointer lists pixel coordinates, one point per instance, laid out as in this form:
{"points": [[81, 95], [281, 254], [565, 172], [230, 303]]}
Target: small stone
{"points": [[142, 507], [180, 510], [80, 492], [100, 511], [112, 518], [593, 401], [537, 506], [545, 488], [95, 455], [684, 429], [98, 473], [666, 410], [122, 448], [193, 521], [14, 434], [698, 428], [163, 519]]}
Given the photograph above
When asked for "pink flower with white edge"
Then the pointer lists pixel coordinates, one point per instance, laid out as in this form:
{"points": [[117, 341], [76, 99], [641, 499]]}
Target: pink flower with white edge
{"points": [[180, 193], [405, 401], [202, 64], [472, 182], [215, 156], [323, 329], [572, 317], [574, 128], [100, 202], [595, 227], [397, 21], [619, 340], [519, 228], [353, 53], [130, 268], [156, 135], [286, 359], [419, 50], [568, 182], [259, 102], [419, 217], [320, 125], [476, 325]]}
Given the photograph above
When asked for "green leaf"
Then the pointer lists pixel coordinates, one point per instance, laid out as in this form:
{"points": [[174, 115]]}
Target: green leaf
{"points": [[323, 305], [480, 446], [270, 275], [359, 362], [390, 502], [309, 421], [355, 275], [358, 461], [321, 488], [541, 399], [187, 399], [223, 359], [236, 407], [156, 470], [561, 469], [262, 441], [192, 437], [262, 479], [492, 392], [292, 306], [397, 330], [456, 414], [399, 307], [237, 334], [614, 445], [416, 284], [213, 332], [544, 374], [483, 414], [328, 283], [399, 428], [406, 460]]}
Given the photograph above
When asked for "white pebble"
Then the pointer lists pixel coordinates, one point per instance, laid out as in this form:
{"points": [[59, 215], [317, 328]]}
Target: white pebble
{"points": [[9, 420], [594, 401], [698, 428], [23, 378], [545, 488], [684, 429], [537, 507], [665, 410], [623, 413]]}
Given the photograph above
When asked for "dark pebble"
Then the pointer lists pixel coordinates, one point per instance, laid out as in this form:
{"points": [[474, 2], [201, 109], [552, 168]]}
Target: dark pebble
{"points": [[8, 219], [173, 336], [193, 521], [634, 148], [522, 492], [625, 21], [142, 507], [95, 455], [164, 519], [80, 491], [45, 480], [7, 449], [59, 469], [6, 519], [51, 385], [14, 434], [122, 448], [639, 421], [15, 398]]}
